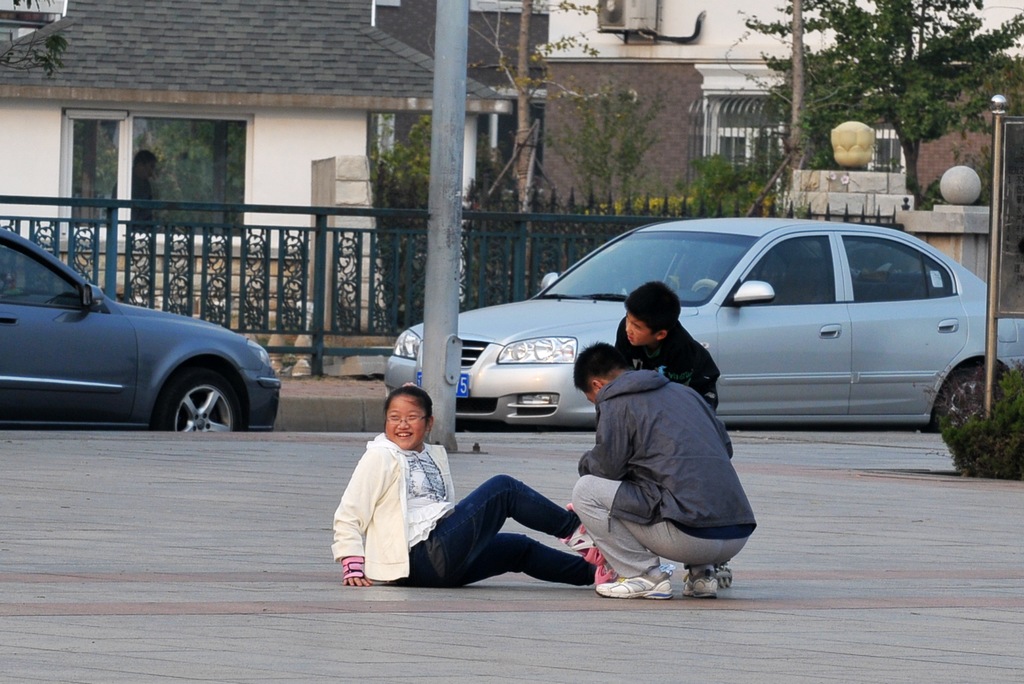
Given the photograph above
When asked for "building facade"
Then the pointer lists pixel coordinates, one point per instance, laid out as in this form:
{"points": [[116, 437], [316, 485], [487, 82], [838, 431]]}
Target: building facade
{"points": [[709, 71], [236, 99]]}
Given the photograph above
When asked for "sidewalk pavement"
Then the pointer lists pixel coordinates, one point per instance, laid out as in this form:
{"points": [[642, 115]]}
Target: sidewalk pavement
{"points": [[148, 557]]}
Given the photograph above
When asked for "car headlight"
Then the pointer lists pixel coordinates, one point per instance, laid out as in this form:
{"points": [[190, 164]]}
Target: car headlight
{"points": [[540, 350], [407, 345], [259, 351]]}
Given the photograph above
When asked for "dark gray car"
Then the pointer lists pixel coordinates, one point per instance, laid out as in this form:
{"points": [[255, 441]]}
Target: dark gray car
{"points": [[73, 358]]}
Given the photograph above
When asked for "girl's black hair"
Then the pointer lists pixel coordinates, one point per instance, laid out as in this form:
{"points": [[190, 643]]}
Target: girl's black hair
{"points": [[417, 394]]}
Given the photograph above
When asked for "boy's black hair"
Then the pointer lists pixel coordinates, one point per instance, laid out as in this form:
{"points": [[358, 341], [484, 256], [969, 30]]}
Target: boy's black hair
{"points": [[417, 394], [599, 360], [656, 304]]}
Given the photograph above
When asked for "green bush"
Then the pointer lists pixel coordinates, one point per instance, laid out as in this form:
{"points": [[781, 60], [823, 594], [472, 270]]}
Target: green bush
{"points": [[720, 182], [401, 171], [991, 446]]}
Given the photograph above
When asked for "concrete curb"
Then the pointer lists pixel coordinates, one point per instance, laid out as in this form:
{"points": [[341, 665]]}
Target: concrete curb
{"points": [[330, 414]]}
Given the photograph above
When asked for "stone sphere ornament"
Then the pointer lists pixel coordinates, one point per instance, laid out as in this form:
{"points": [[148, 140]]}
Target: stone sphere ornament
{"points": [[853, 144], [960, 185]]}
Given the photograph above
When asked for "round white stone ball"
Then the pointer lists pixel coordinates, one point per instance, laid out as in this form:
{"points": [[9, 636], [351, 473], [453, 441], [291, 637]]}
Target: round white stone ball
{"points": [[960, 185]]}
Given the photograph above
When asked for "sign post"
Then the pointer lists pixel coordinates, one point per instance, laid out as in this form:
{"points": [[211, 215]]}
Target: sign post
{"points": [[1011, 242], [1006, 236], [994, 241]]}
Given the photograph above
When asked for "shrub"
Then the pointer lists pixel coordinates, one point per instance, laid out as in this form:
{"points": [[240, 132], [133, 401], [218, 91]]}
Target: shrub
{"points": [[720, 182], [991, 446]]}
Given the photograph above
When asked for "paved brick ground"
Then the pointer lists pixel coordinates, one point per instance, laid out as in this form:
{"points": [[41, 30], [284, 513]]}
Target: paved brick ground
{"points": [[148, 557]]}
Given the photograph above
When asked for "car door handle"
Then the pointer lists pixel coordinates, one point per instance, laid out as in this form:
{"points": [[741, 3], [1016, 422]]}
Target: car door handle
{"points": [[950, 325], [8, 320], [830, 332]]}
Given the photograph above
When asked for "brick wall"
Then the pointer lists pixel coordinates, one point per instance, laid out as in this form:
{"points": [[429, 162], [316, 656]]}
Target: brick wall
{"points": [[679, 85], [952, 150]]}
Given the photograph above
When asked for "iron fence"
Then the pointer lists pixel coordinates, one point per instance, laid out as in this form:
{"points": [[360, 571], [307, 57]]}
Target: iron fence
{"points": [[346, 282]]}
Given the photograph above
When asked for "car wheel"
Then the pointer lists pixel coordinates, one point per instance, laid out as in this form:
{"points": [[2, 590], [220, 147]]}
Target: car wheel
{"points": [[962, 395], [197, 400]]}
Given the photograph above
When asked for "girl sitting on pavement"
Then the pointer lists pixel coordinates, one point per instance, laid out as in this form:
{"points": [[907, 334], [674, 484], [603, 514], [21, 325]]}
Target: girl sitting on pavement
{"points": [[398, 521]]}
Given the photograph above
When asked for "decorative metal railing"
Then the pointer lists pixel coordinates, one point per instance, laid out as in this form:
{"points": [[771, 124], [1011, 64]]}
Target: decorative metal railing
{"points": [[346, 282]]}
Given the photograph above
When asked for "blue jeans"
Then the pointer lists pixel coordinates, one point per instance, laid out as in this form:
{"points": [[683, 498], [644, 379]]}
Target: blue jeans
{"points": [[467, 546]]}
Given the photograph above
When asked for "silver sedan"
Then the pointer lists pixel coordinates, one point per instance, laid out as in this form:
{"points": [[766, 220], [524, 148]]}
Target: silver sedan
{"points": [[809, 322]]}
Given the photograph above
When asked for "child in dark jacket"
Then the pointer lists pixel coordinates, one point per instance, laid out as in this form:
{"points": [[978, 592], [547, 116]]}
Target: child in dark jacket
{"points": [[651, 337]]}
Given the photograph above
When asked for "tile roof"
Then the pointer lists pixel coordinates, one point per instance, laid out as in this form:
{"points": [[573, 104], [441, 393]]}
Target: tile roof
{"points": [[313, 53]]}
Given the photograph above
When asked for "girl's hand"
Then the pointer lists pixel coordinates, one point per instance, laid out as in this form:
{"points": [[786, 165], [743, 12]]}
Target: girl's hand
{"points": [[357, 582], [353, 572]]}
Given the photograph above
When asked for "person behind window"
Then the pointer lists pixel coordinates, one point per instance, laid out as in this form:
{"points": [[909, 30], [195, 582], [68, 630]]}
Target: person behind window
{"points": [[143, 173]]}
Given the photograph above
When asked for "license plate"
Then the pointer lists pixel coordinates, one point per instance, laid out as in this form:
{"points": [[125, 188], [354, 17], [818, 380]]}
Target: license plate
{"points": [[461, 390]]}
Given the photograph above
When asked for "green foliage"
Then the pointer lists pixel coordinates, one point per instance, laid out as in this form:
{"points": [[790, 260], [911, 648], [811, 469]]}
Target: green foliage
{"points": [[931, 196], [95, 141], [993, 446], [578, 41], [199, 160], [1009, 82], [494, 187], [38, 50], [400, 172], [721, 183], [612, 133], [918, 65]]}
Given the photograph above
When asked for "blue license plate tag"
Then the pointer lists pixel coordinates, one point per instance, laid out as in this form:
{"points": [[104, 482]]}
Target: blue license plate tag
{"points": [[461, 390]]}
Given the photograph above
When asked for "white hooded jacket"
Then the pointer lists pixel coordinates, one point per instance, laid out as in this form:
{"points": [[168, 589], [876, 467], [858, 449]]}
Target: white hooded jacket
{"points": [[371, 520]]}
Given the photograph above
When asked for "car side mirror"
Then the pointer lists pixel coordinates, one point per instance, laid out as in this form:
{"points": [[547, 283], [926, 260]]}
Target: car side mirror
{"points": [[752, 292], [92, 297], [547, 280]]}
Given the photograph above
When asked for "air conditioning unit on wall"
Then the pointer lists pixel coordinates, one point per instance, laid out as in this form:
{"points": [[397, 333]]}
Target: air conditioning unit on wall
{"points": [[622, 16]]}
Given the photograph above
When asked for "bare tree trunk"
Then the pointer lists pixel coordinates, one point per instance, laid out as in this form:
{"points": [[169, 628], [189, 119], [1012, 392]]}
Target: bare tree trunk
{"points": [[912, 152], [523, 153], [796, 151]]}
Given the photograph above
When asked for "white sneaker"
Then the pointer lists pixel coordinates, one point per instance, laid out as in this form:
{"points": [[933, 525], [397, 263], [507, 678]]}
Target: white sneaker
{"points": [[723, 573], [656, 586], [701, 586]]}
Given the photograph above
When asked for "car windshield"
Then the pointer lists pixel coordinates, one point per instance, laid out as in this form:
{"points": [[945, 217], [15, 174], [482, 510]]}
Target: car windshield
{"points": [[693, 264]]}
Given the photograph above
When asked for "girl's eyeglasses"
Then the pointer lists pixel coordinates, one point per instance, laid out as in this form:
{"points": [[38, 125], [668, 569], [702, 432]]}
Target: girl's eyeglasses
{"points": [[408, 420]]}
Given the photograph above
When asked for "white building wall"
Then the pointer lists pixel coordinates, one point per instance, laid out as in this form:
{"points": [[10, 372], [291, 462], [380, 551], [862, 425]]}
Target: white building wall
{"points": [[283, 146], [722, 32], [30, 137]]}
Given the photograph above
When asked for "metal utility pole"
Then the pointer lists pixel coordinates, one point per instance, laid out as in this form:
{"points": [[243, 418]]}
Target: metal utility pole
{"points": [[442, 348]]}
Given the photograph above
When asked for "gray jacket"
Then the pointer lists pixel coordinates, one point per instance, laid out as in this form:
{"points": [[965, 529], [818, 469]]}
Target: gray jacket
{"points": [[670, 451]]}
